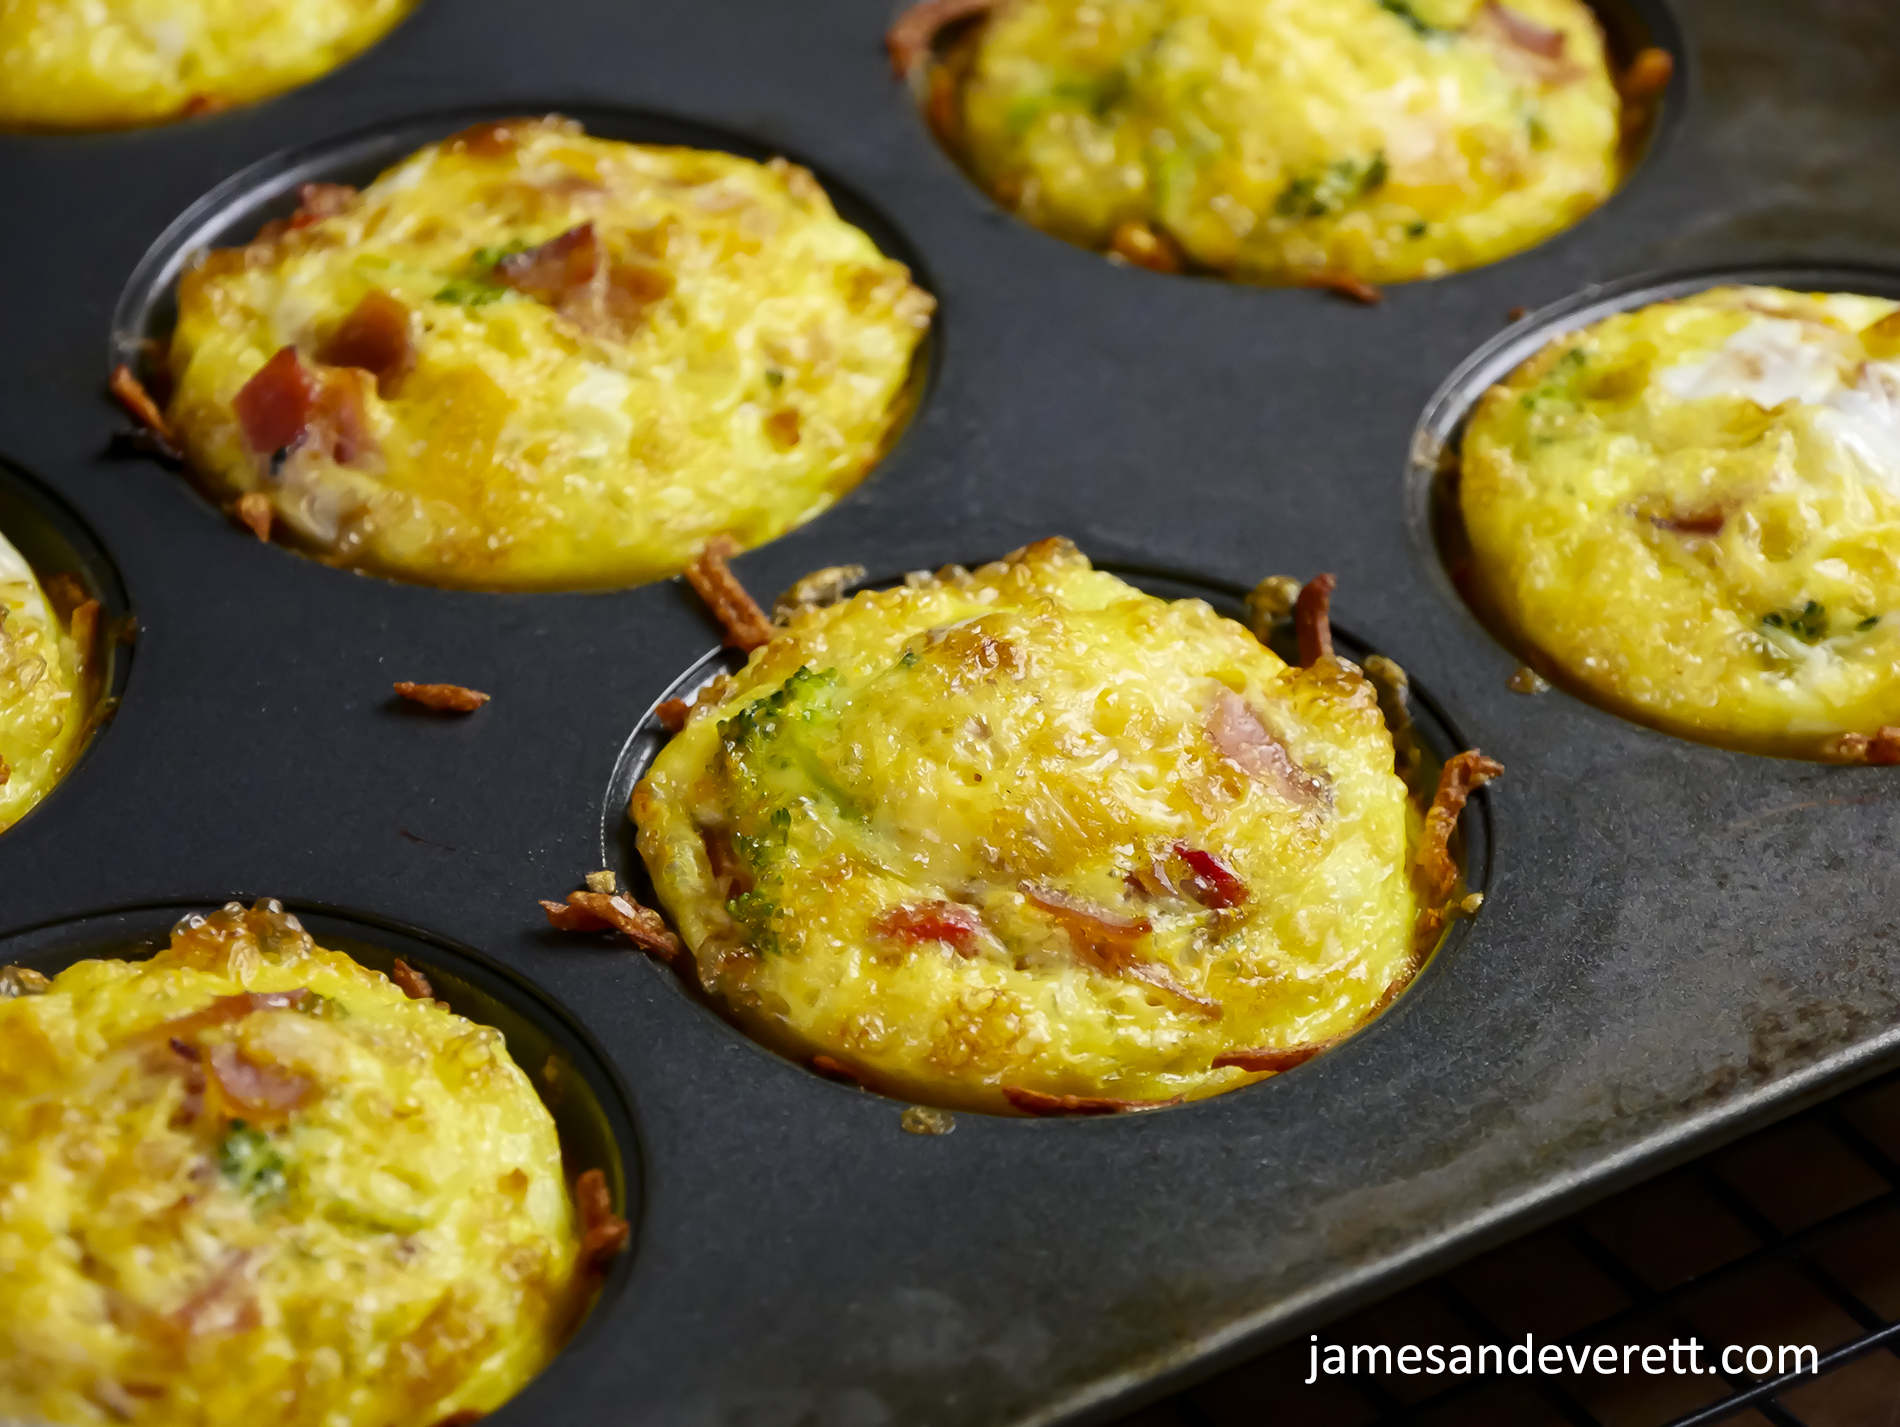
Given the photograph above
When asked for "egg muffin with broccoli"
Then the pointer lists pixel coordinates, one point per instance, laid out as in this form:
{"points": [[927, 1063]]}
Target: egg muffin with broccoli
{"points": [[525, 358], [250, 1180], [1339, 142], [1691, 513], [48, 684], [1029, 839], [101, 64]]}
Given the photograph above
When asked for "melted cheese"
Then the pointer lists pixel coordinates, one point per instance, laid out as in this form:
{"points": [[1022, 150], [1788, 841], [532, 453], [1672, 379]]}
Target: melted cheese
{"points": [[1694, 511], [1276, 140], [992, 748], [397, 1246], [92, 64]]}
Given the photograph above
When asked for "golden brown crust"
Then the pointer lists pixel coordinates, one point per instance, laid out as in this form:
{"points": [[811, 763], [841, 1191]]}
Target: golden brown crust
{"points": [[1035, 1102], [1312, 618], [601, 911], [737, 612], [1463, 774], [909, 39], [671, 715], [412, 982], [442, 698]]}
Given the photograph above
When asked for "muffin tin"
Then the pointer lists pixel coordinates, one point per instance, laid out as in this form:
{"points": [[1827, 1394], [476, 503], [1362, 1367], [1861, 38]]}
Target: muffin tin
{"points": [[1678, 942]]}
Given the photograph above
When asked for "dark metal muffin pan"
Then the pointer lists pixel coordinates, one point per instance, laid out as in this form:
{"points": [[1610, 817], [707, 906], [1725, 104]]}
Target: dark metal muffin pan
{"points": [[1678, 942]]}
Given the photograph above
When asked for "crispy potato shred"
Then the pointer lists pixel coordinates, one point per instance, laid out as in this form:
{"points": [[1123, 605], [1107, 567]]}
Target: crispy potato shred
{"points": [[1042, 1105], [1882, 748], [252, 510], [1312, 618], [916, 30], [1346, 285], [1276, 1058], [131, 394], [738, 613], [1463, 774], [413, 983], [604, 1233], [833, 1069], [442, 698], [601, 911]]}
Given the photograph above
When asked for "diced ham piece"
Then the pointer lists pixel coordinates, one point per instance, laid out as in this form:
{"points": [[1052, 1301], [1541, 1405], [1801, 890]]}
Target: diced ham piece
{"points": [[274, 406], [549, 272], [255, 1092], [948, 922], [1695, 522], [375, 338], [1525, 32], [1538, 49], [1210, 881], [574, 275], [1111, 944], [231, 1008], [1243, 740]]}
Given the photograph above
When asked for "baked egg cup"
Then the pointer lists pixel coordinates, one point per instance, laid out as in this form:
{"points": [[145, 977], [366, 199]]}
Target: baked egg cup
{"points": [[529, 359], [1336, 143], [1027, 839], [1689, 513], [49, 681], [252, 1180], [111, 64]]}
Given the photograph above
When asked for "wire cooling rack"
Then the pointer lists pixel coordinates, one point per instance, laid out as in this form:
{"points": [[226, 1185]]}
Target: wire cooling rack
{"points": [[1790, 1237]]}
